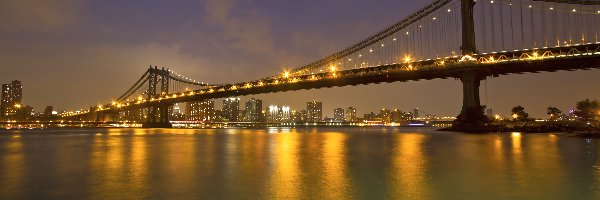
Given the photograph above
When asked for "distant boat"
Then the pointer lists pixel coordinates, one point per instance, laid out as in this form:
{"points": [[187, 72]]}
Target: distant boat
{"points": [[416, 123]]}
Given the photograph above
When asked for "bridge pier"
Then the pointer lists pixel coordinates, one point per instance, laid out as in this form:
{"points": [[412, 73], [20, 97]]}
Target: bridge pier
{"points": [[158, 117], [471, 82], [472, 117]]}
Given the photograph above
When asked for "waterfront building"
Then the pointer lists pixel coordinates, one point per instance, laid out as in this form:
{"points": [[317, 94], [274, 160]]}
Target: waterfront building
{"points": [[370, 116], [314, 111], [201, 111], [133, 115], [10, 101], [25, 113], [176, 113], [385, 115], [397, 116], [338, 115], [48, 111], [298, 116], [273, 114], [231, 109], [416, 113], [253, 111], [351, 114], [284, 114]]}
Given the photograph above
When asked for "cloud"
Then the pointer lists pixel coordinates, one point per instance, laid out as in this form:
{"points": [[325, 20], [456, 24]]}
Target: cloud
{"points": [[38, 15], [218, 10], [247, 30]]}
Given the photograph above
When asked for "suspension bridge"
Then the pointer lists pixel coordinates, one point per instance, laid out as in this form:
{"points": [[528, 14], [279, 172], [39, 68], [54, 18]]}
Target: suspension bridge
{"points": [[469, 40]]}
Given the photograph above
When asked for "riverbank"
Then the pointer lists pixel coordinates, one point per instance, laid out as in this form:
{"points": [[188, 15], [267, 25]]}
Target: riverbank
{"points": [[570, 130]]}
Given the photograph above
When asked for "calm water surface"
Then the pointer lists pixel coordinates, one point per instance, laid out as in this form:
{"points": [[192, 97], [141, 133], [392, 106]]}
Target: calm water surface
{"points": [[303, 163]]}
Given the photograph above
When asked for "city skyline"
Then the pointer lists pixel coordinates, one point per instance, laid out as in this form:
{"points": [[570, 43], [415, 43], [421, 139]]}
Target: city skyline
{"points": [[88, 58], [328, 112]]}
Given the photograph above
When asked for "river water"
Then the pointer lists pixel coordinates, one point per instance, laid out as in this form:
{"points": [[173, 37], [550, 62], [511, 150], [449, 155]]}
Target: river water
{"points": [[302, 163]]}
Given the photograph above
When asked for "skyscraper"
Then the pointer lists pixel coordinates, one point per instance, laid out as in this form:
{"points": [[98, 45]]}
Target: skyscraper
{"points": [[176, 113], [351, 114], [253, 110], [284, 114], [386, 115], [200, 111], [397, 115], [338, 115], [231, 109], [314, 111], [11, 99], [273, 114], [416, 113]]}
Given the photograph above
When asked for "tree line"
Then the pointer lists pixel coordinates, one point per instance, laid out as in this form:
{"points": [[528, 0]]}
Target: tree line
{"points": [[587, 111]]}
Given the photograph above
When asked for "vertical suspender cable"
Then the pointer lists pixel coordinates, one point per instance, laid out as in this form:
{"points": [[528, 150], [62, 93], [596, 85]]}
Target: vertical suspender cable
{"points": [[492, 24], [569, 23], [581, 24], [543, 18], [483, 28], [512, 28], [555, 20], [522, 31], [442, 33], [502, 26], [533, 39], [457, 31], [421, 42], [595, 22]]}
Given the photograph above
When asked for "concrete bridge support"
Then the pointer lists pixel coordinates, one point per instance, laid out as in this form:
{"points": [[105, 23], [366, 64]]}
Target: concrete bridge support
{"points": [[158, 117], [471, 82], [472, 117]]}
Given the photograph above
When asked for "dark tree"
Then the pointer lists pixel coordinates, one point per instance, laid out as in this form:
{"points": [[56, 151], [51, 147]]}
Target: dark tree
{"points": [[473, 118], [554, 113], [519, 114], [588, 110]]}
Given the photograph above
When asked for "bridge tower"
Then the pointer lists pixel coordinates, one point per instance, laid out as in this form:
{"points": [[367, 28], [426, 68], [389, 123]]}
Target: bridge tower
{"points": [[472, 115], [158, 115]]}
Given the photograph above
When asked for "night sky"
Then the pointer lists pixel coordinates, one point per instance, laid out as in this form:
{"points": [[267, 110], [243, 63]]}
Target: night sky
{"points": [[78, 53]]}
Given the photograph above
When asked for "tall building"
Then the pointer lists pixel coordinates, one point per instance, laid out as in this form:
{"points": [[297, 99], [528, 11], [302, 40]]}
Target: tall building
{"points": [[134, 115], [25, 113], [314, 111], [273, 114], [200, 111], [253, 110], [338, 114], [48, 111], [176, 113], [298, 116], [386, 115], [231, 109], [284, 114], [351, 114], [10, 102], [416, 113], [397, 116]]}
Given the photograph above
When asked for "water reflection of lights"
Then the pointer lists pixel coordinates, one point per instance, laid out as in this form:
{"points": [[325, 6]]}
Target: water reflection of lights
{"points": [[336, 180], [275, 130], [286, 176], [516, 134], [410, 166]]}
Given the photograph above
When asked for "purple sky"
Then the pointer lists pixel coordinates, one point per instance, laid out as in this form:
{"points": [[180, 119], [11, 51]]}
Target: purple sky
{"points": [[79, 53]]}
